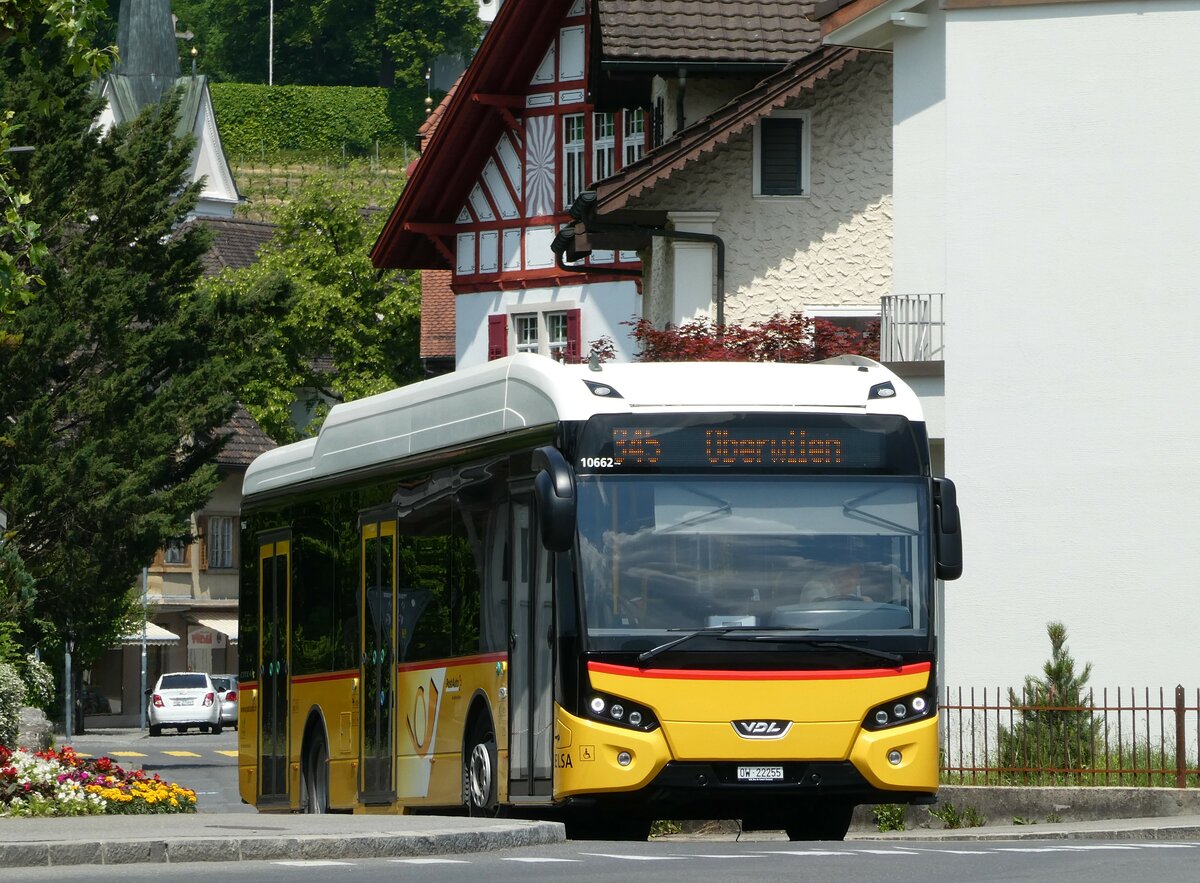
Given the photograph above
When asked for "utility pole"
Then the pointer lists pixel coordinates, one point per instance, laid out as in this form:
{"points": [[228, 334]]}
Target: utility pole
{"points": [[142, 692], [271, 43], [69, 716]]}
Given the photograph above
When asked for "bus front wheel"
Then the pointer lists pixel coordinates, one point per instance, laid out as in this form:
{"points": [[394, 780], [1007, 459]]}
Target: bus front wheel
{"points": [[821, 822], [479, 770]]}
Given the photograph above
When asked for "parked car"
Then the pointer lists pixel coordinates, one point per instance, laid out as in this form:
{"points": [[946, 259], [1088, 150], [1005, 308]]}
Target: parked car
{"points": [[182, 700], [227, 692]]}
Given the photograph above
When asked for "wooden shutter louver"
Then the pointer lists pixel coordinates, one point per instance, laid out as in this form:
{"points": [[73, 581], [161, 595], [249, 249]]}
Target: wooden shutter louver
{"points": [[497, 337], [781, 156]]}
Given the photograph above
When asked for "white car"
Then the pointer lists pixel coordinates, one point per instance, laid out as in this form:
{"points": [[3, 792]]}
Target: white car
{"points": [[227, 692], [182, 700]]}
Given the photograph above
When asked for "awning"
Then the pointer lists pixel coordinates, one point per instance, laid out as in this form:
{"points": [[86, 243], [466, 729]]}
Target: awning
{"points": [[227, 627], [155, 634]]}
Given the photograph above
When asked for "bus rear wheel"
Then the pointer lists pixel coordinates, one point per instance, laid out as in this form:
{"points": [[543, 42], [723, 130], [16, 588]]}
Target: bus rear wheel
{"points": [[821, 822], [315, 784], [479, 770]]}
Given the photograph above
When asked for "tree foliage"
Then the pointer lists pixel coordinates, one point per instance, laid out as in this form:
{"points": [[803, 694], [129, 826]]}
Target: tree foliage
{"points": [[117, 378], [24, 26], [794, 338], [319, 42], [1055, 726], [347, 330]]}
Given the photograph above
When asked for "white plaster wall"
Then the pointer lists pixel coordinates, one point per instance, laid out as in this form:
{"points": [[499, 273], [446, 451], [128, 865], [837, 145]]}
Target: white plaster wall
{"points": [[1071, 265], [604, 306], [702, 94], [831, 247]]}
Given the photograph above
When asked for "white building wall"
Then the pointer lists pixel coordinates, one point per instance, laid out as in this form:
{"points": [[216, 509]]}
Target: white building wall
{"points": [[1071, 270], [603, 307], [832, 247]]}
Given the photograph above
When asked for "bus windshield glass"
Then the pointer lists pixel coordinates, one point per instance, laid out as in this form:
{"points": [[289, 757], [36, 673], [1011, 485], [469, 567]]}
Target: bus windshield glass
{"points": [[664, 554]]}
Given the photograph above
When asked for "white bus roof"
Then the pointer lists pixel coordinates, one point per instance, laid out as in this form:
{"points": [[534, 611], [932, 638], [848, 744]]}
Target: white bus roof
{"points": [[525, 391]]}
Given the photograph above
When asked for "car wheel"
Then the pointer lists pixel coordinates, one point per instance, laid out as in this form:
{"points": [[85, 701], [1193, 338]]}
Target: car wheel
{"points": [[155, 730], [216, 729], [204, 728], [479, 770]]}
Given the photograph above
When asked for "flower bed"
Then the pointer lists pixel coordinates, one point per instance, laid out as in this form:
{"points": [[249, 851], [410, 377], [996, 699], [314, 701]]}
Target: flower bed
{"points": [[61, 783]]}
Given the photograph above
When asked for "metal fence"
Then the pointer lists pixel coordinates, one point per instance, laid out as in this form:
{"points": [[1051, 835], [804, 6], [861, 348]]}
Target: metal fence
{"points": [[912, 328], [1106, 737]]}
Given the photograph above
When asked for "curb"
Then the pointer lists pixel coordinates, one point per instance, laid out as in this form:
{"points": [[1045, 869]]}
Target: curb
{"points": [[171, 850]]}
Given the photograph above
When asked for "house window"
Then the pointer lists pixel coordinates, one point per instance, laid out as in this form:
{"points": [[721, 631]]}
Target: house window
{"points": [[220, 541], [572, 167], [546, 332], [781, 154], [175, 552], [634, 135], [525, 328], [604, 145], [556, 334]]}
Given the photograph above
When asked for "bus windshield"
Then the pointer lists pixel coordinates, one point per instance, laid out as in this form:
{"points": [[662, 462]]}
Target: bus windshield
{"points": [[661, 555]]}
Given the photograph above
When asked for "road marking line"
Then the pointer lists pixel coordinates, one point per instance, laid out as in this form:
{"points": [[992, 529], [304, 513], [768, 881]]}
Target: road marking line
{"points": [[228, 753], [636, 858], [315, 863], [182, 753], [537, 859], [951, 851], [429, 861], [126, 754], [1032, 849], [81, 754], [886, 851], [1097, 846], [716, 855], [806, 852]]}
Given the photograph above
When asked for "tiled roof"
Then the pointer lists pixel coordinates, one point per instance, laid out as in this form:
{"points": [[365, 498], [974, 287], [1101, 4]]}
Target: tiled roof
{"points": [[437, 314], [703, 136], [246, 440], [235, 242], [705, 31], [435, 116]]}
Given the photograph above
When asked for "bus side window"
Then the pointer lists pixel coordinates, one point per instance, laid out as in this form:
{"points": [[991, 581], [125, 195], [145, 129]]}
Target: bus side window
{"points": [[424, 546]]}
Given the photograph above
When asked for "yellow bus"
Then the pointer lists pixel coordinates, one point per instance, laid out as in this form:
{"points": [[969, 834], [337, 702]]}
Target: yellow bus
{"points": [[603, 594]]}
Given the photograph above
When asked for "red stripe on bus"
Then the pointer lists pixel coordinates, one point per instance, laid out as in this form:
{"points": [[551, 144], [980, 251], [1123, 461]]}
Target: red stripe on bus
{"points": [[446, 663], [705, 675], [332, 676]]}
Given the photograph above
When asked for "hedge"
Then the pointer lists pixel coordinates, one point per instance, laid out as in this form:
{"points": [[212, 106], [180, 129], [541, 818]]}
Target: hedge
{"points": [[258, 121]]}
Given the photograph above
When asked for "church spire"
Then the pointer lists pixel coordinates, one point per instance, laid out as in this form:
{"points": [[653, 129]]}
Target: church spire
{"points": [[148, 51]]}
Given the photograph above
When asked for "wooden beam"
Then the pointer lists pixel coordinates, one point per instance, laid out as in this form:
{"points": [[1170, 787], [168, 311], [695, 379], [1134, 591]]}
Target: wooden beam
{"points": [[513, 102], [430, 229]]}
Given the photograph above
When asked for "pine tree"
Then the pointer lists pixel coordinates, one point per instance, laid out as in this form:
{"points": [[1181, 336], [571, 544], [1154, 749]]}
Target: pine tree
{"points": [[1055, 726], [117, 377]]}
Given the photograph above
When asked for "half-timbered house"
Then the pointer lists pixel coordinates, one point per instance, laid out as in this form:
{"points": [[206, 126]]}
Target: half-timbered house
{"points": [[516, 142]]}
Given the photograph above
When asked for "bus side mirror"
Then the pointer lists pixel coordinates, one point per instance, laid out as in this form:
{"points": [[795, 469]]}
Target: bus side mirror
{"points": [[554, 490], [949, 529]]}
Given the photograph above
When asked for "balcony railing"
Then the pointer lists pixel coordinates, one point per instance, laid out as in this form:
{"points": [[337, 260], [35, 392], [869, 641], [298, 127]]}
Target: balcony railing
{"points": [[912, 328]]}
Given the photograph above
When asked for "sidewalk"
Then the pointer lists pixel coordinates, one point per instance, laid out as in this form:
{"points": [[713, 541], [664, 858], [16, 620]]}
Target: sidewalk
{"points": [[213, 837]]}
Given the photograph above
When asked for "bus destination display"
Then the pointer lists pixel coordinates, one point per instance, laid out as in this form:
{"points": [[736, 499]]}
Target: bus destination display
{"points": [[734, 444]]}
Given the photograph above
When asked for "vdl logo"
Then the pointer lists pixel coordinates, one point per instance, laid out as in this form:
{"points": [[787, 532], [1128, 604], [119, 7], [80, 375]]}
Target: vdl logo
{"points": [[763, 729]]}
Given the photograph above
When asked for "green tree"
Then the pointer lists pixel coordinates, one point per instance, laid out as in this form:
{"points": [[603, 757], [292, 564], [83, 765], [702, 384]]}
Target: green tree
{"points": [[1055, 727], [348, 330], [318, 42], [24, 24], [117, 378]]}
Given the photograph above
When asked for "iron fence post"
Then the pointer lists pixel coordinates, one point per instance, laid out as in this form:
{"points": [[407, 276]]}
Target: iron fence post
{"points": [[1180, 740]]}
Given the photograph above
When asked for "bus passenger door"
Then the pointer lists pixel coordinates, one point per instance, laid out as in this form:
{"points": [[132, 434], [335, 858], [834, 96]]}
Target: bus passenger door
{"points": [[530, 679], [377, 661], [274, 593]]}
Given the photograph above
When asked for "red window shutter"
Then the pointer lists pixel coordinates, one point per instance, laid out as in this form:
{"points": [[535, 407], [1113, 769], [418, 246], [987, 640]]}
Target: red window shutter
{"points": [[574, 338], [497, 337]]}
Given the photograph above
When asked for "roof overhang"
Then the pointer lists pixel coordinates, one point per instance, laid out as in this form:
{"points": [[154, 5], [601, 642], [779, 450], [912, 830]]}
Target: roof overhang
{"points": [[155, 635], [470, 127], [867, 24], [227, 627]]}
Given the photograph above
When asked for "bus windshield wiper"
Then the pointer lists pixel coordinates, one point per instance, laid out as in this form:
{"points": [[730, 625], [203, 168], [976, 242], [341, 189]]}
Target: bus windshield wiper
{"points": [[723, 632], [647, 655], [833, 645]]}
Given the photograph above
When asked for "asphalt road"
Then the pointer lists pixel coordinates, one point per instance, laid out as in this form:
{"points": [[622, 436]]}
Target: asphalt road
{"points": [[201, 761], [690, 861]]}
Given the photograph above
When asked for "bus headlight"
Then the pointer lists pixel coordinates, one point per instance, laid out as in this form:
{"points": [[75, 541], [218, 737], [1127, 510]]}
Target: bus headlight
{"points": [[900, 711], [620, 712]]}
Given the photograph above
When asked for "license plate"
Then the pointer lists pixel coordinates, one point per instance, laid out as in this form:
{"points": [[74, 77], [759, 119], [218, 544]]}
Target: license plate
{"points": [[760, 774], [181, 702]]}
